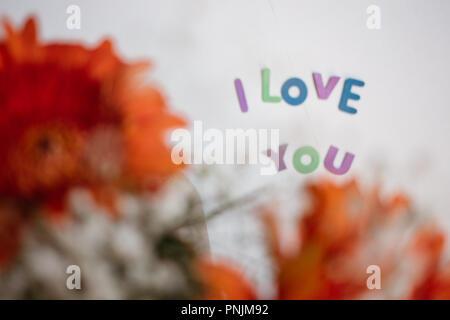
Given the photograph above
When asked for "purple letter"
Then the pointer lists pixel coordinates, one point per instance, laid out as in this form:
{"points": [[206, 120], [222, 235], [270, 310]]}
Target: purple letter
{"points": [[324, 92], [241, 95], [345, 165], [278, 157]]}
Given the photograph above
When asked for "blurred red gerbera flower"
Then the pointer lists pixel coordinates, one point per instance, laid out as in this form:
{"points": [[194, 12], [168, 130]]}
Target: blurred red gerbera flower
{"points": [[74, 116], [344, 231]]}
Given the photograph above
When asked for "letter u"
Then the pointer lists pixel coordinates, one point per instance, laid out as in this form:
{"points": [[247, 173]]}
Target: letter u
{"points": [[345, 165]]}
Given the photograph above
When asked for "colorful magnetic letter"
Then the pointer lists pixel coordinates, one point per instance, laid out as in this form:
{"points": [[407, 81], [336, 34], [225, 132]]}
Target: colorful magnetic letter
{"points": [[347, 94], [297, 161], [278, 158], [345, 165], [266, 97], [291, 83], [241, 95], [324, 92]]}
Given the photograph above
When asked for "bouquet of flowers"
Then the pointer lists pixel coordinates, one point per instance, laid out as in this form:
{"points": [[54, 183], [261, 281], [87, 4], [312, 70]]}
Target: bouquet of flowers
{"points": [[345, 235], [86, 176]]}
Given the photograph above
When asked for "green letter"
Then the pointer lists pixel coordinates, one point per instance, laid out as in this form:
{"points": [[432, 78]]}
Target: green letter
{"points": [[265, 87], [297, 161]]}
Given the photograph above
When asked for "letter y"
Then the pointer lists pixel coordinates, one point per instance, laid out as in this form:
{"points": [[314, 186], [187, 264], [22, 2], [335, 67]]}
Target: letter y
{"points": [[278, 158]]}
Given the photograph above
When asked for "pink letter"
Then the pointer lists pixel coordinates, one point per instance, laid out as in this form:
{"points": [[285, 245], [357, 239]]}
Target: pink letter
{"points": [[241, 95], [278, 157], [345, 165], [324, 92]]}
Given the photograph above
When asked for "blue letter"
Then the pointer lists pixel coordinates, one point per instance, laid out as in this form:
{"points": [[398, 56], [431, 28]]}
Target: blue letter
{"points": [[285, 91], [348, 95]]}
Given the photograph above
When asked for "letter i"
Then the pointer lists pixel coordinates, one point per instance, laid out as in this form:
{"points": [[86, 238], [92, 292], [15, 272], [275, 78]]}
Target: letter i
{"points": [[241, 95]]}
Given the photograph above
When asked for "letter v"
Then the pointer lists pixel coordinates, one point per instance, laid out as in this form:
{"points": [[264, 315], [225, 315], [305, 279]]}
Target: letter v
{"points": [[324, 92]]}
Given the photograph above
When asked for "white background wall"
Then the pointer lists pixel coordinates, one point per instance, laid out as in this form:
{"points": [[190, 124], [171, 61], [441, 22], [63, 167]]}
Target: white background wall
{"points": [[399, 135]]}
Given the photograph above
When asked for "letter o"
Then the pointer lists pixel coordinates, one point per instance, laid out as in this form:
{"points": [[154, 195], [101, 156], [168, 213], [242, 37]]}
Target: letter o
{"points": [[299, 166], [294, 82]]}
